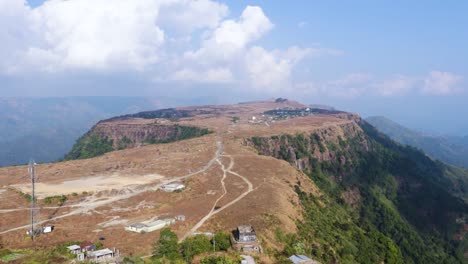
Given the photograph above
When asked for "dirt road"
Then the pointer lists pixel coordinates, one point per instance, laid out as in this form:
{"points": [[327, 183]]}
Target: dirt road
{"points": [[93, 202], [215, 210]]}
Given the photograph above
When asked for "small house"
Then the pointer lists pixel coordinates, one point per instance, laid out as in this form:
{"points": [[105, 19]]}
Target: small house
{"points": [[87, 246], [100, 255], [136, 227], [245, 234], [172, 187], [74, 249]]}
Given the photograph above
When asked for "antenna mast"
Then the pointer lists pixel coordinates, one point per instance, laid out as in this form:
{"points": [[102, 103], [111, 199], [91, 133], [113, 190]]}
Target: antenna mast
{"points": [[34, 210]]}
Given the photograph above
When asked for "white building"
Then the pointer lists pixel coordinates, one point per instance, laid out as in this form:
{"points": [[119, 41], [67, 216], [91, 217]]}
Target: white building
{"points": [[47, 229], [147, 227], [100, 255], [74, 249], [171, 187]]}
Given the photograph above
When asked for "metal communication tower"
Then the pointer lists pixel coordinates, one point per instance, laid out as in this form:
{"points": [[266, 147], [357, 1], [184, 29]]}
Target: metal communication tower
{"points": [[34, 209]]}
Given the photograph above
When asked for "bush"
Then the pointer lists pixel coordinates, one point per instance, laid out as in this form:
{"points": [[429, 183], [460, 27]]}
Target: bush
{"points": [[166, 246], [195, 245], [223, 241]]}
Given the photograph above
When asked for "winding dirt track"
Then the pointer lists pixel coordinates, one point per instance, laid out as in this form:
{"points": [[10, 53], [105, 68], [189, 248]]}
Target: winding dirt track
{"points": [[93, 202], [213, 210]]}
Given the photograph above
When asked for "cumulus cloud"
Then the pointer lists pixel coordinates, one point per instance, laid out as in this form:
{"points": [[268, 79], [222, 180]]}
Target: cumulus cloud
{"points": [[441, 83], [165, 40]]}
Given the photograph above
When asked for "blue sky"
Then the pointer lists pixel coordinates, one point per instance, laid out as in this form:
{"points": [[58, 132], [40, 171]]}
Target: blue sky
{"points": [[403, 59]]}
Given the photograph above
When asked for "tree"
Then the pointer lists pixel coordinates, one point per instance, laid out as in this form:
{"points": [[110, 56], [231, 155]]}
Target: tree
{"points": [[195, 245], [222, 241], [167, 246]]}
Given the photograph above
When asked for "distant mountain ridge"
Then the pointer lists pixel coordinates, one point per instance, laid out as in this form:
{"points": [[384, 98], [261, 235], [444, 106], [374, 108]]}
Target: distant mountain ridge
{"points": [[46, 128], [449, 149]]}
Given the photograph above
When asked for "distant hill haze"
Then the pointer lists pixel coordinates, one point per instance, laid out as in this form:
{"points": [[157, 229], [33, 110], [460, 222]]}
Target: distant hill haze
{"points": [[449, 149], [46, 128]]}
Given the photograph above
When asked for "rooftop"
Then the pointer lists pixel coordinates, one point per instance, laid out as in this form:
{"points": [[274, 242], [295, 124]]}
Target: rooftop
{"points": [[99, 253], [245, 229], [73, 247], [86, 244], [138, 225]]}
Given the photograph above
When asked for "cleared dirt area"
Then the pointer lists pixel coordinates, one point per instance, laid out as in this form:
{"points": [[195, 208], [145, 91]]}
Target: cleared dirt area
{"points": [[227, 184]]}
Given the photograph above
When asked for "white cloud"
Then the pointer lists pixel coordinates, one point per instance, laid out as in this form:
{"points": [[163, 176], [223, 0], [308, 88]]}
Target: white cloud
{"points": [[186, 16], [164, 40], [441, 83], [231, 37], [397, 85], [266, 70], [217, 75]]}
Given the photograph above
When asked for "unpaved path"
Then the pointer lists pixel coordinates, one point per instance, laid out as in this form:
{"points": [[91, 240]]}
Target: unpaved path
{"points": [[93, 202], [213, 210]]}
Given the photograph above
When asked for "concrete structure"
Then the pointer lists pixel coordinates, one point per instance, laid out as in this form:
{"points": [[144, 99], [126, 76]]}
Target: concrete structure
{"points": [[47, 229], [245, 234], [172, 187], [102, 255], [301, 259], [245, 240], [147, 227], [74, 249], [80, 256]]}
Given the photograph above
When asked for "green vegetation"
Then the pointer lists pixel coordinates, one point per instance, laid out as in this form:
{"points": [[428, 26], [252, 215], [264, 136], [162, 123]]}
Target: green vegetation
{"points": [[89, 146], [235, 119], [124, 143], [223, 241], [57, 199], [195, 245], [166, 248], [220, 260], [406, 211], [453, 150]]}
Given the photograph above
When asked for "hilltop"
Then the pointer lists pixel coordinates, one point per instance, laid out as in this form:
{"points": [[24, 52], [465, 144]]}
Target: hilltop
{"points": [[312, 181]]}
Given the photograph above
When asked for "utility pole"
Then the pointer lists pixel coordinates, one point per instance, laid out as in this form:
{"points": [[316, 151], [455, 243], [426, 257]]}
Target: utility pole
{"points": [[214, 242], [34, 210]]}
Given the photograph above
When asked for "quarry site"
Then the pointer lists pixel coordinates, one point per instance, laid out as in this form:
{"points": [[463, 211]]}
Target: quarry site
{"points": [[224, 183]]}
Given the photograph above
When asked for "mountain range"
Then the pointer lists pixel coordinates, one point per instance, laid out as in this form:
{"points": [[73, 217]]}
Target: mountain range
{"points": [[450, 149]]}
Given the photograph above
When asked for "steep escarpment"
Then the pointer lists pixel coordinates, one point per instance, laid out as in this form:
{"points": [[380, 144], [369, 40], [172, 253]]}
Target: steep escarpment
{"points": [[381, 202], [109, 136]]}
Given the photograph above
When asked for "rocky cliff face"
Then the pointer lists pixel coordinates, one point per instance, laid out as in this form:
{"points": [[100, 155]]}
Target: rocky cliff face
{"points": [[132, 135], [328, 144], [109, 136]]}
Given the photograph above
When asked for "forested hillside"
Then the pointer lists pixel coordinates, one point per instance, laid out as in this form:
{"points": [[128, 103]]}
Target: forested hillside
{"points": [[380, 202], [449, 149]]}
